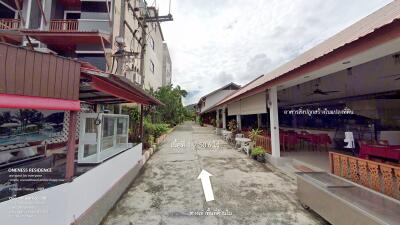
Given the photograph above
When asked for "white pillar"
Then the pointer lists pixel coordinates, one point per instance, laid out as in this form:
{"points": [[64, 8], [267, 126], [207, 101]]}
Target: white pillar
{"points": [[274, 122], [223, 118], [28, 13], [259, 120], [239, 122]]}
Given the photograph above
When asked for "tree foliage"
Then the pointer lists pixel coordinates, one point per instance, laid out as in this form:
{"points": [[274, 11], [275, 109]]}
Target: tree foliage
{"points": [[173, 112]]}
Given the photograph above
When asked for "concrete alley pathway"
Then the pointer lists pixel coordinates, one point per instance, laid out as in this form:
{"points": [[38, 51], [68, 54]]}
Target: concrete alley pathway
{"points": [[168, 191]]}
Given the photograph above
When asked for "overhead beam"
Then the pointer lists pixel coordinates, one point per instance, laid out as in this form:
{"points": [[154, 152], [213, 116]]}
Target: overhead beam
{"points": [[17, 4], [109, 97], [8, 6], [39, 3]]}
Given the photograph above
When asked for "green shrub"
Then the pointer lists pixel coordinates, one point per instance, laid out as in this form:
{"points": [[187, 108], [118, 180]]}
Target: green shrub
{"points": [[151, 140], [257, 151], [160, 129]]}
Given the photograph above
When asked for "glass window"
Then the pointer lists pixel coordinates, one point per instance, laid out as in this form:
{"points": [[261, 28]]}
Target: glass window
{"points": [[108, 133], [122, 126], [122, 131], [151, 42], [108, 126], [89, 150], [90, 126], [94, 7], [151, 66]]}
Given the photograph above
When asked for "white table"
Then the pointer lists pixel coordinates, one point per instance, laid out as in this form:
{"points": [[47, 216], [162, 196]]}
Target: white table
{"points": [[242, 141], [226, 133]]}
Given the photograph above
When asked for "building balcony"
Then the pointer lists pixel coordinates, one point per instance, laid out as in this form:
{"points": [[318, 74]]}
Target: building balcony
{"points": [[63, 25], [80, 25], [9, 24]]}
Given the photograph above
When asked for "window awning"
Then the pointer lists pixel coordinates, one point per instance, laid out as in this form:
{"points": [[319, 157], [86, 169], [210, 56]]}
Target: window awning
{"points": [[107, 88], [32, 102]]}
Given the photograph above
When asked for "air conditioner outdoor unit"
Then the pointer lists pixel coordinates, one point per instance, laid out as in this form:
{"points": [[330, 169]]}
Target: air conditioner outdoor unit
{"points": [[130, 75], [138, 78], [39, 46]]}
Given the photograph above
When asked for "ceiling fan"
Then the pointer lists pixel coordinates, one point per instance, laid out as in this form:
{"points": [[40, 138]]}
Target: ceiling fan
{"points": [[318, 91]]}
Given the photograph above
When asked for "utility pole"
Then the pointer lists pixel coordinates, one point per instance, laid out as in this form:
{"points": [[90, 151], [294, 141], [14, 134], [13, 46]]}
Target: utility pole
{"points": [[121, 41], [148, 18], [143, 52]]}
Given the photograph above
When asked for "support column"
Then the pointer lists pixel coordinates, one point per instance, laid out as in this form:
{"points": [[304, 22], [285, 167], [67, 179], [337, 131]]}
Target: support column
{"points": [[224, 118], [239, 122], [259, 120], [141, 123], [217, 118], [274, 122], [71, 145]]}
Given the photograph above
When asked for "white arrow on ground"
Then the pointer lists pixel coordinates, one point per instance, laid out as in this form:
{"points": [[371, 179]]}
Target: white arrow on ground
{"points": [[205, 181]]}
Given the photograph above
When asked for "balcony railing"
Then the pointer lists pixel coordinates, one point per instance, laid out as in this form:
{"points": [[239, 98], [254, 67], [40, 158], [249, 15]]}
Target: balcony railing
{"points": [[381, 177], [9, 24], [64, 25]]}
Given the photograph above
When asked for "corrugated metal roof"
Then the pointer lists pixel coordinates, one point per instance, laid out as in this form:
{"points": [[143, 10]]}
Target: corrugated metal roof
{"points": [[221, 88], [365, 26]]}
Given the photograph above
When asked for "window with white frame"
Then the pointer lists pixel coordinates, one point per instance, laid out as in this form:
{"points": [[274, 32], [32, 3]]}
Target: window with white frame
{"points": [[151, 42], [151, 66]]}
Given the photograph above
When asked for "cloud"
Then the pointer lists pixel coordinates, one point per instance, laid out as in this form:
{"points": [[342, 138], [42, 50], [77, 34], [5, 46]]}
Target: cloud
{"points": [[216, 42]]}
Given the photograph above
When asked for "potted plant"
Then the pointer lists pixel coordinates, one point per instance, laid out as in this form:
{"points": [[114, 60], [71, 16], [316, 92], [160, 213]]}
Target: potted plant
{"points": [[254, 133], [232, 126], [258, 153], [201, 122]]}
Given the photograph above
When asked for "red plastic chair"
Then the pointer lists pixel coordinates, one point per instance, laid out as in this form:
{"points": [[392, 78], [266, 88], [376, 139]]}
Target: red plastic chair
{"points": [[291, 142], [325, 140], [315, 142]]}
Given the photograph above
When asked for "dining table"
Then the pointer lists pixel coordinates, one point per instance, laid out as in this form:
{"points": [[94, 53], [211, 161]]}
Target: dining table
{"points": [[382, 151], [242, 140]]}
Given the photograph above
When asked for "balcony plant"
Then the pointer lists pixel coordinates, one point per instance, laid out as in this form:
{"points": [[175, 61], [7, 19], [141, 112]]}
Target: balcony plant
{"points": [[258, 153]]}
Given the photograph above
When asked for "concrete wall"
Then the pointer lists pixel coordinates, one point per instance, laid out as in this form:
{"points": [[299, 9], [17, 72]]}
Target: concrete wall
{"points": [[167, 66], [153, 79], [86, 200], [211, 100], [131, 43]]}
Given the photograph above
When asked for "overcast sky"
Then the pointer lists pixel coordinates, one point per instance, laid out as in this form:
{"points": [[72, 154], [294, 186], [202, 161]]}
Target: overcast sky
{"points": [[214, 42]]}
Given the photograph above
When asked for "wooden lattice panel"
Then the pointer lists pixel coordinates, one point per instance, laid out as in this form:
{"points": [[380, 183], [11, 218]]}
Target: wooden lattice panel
{"points": [[397, 174], [345, 166], [363, 172], [374, 175], [354, 170], [388, 181], [336, 165]]}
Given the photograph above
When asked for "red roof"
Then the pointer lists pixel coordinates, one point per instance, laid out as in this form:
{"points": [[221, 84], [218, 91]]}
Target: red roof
{"points": [[389, 14], [117, 89]]}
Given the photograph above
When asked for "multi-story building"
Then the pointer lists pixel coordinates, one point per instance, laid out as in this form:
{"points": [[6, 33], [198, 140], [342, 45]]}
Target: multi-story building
{"points": [[167, 66], [153, 60], [106, 33]]}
